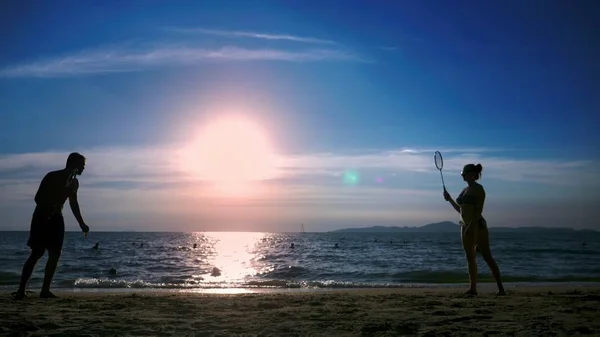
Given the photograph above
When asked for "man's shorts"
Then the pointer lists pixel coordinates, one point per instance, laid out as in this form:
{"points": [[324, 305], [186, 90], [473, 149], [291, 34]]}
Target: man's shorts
{"points": [[47, 231]]}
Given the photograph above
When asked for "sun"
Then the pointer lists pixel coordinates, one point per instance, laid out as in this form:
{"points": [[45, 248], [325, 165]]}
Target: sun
{"points": [[232, 152]]}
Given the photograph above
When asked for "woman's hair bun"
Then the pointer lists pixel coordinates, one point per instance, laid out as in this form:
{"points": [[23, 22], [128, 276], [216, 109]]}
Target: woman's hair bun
{"points": [[479, 168]]}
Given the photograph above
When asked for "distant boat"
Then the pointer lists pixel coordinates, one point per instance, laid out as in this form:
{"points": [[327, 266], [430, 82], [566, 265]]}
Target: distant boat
{"points": [[302, 230]]}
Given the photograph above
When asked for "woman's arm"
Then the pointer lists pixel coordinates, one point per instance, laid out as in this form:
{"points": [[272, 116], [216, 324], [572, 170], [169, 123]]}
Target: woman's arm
{"points": [[455, 205]]}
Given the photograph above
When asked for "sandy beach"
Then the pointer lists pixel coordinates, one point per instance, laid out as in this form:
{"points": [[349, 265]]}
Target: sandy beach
{"points": [[526, 311]]}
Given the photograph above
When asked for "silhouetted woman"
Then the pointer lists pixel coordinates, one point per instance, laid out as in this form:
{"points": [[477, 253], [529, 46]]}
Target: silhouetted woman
{"points": [[474, 230]]}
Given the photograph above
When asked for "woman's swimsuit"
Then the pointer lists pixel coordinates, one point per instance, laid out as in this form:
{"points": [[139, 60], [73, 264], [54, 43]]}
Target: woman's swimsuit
{"points": [[472, 198]]}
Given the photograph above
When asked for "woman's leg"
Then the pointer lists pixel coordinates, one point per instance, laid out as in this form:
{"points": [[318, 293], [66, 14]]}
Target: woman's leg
{"points": [[486, 253], [469, 242]]}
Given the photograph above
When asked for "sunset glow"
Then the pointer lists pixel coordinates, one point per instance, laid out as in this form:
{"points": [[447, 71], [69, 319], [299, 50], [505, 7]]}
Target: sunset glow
{"points": [[232, 153], [252, 116]]}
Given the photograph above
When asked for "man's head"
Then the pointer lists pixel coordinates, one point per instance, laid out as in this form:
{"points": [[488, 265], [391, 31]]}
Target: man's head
{"points": [[76, 161]]}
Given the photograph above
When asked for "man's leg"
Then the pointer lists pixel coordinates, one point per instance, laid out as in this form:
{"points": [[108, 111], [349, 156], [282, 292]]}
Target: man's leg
{"points": [[34, 257], [57, 237], [53, 257]]}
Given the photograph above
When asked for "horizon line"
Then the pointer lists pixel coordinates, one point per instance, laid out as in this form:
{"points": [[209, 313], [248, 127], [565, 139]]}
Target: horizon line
{"points": [[341, 229]]}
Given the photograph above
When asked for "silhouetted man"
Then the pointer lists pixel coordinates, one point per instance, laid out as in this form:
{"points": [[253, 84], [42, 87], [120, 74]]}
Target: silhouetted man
{"points": [[48, 225]]}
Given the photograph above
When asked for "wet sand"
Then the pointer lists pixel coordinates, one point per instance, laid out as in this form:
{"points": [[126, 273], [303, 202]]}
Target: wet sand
{"points": [[565, 310]]}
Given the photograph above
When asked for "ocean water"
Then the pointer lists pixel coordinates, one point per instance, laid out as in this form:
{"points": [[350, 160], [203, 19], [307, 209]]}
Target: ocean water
{"points": [[265, 260]]}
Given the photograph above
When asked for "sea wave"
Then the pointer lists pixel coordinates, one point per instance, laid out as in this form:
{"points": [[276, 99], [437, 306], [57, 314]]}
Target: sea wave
{"points": [[412, 279], [230, 260]]}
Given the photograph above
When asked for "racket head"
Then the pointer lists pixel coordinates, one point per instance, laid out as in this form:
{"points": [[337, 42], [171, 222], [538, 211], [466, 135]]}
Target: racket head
{"points": [[439, 161]]}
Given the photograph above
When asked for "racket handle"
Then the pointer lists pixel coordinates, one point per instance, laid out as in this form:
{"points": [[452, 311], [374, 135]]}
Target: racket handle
{"points": [[443, 183]]}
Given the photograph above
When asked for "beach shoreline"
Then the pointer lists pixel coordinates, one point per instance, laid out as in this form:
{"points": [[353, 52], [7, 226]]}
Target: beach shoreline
{"points": [[535, 310], [454, 287]]}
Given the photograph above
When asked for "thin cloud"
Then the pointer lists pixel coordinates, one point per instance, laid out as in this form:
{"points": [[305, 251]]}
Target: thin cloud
{"points": [[157, 164], [88, 63], [544, 171], [149, 182], [249, 34], [445, 150]]}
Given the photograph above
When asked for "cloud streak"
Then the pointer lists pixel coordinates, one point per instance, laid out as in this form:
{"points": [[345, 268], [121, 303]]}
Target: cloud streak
{"points": [[545, 171], [158, 164], [252, 35], [110, 61], [131, 181]]}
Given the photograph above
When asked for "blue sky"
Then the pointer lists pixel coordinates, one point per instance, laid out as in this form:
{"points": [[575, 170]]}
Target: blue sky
{"points": [[336, 86]]}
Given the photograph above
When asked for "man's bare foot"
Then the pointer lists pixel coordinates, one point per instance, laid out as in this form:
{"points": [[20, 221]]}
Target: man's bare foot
{"points": [[501, 293], [19, 295], [47, 294], [471, 292]]}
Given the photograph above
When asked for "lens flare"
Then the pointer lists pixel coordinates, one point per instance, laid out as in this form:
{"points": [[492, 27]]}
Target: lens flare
{"points": [[351, 177]]}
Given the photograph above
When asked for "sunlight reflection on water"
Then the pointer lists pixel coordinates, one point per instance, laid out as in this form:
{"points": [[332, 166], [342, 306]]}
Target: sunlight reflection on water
{"points": [[235, 256], [266, 260]]}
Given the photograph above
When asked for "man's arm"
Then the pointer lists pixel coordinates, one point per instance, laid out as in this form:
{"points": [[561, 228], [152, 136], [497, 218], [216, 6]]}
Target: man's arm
{"points": [[75, 204]]}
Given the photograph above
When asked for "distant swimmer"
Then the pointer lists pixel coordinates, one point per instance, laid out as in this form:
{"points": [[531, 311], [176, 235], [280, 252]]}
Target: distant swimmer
{"points": [[142, 245], [96, 246], [292, 246], [336, 246], [48, 225], [215, 272], [195, 245], [474, 230], [112, 271]]}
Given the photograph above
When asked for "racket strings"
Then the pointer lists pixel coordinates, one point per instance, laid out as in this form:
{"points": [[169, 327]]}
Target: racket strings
{"points": [[439, 161]]}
